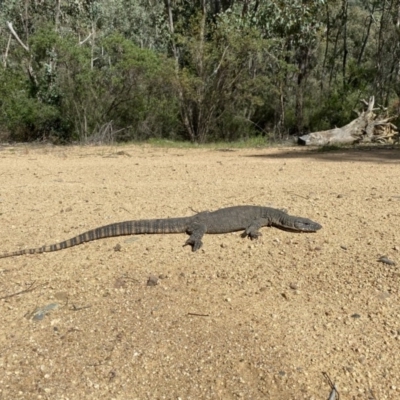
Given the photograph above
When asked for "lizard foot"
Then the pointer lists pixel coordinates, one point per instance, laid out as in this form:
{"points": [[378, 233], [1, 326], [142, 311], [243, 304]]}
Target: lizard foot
{"points": [[196, 244]]}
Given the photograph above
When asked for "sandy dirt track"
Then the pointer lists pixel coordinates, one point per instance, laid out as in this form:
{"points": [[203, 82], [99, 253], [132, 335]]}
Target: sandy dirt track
{"points": [[237, 319]]}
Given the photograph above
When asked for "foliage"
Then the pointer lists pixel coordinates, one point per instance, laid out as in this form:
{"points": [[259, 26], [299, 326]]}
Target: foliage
{"points": [[199, 71], [127, 86], [220, 91], [20, 114]]}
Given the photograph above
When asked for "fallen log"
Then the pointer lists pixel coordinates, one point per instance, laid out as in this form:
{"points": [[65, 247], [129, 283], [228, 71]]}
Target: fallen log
{"points": [[367, 127]]}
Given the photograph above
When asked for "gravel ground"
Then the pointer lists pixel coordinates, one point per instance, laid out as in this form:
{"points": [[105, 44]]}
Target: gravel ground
{"points": [[141, 317]]}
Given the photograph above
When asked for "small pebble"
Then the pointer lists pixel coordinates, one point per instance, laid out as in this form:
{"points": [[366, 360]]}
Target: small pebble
{"points": [[384, 295], [386, 260], [152, 281]]}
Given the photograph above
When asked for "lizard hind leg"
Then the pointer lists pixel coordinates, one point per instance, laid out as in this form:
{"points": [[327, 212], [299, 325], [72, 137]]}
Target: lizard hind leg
{"points": [[196, 232]]}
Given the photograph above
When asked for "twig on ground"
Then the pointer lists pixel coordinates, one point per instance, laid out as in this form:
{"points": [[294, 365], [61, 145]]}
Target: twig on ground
{"points": [[299, 195], [198, 315], [29, 289], [75, 308], [334, 391]]}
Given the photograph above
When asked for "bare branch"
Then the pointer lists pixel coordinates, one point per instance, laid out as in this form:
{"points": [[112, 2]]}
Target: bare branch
{"points": [[6, 52], [32, 75], [85, 40], [220, 62], [371, 103], [10, 27]]}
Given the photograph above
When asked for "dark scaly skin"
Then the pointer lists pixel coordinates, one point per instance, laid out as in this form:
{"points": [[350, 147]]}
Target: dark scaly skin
{"points": [[230, 219]]}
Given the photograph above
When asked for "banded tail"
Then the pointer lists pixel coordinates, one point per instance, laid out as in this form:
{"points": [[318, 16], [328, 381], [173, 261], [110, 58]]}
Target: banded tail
{"points": [[144, 226]]}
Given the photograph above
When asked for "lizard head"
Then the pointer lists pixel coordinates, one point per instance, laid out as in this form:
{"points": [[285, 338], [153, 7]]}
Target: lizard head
{"points": [[306, 225], [298, 224]]}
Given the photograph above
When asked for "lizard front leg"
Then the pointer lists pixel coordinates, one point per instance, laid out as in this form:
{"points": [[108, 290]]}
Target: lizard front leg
{"points": [[252, 231], [196, 232]]}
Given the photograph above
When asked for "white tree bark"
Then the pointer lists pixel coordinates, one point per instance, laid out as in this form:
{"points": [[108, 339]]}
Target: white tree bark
{"points": [[366, 128]]}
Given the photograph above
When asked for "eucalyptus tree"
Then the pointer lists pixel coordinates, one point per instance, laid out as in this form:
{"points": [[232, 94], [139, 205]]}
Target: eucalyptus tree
{"points": [[76, 66]]}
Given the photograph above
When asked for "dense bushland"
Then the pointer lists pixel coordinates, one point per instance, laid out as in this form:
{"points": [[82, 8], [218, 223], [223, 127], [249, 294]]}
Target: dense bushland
{"points": [[106, 70]]}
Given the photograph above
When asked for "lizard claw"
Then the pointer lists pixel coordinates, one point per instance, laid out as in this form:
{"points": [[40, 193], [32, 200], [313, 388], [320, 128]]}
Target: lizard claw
{"points": [[251, 235], [196, 244], [254, 235]]}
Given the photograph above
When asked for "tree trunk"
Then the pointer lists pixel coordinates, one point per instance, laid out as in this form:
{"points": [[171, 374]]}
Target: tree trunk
{"points": [[368, 127], [185, 111]]}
